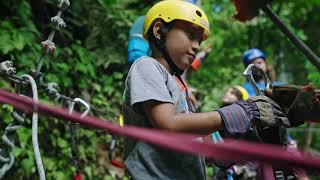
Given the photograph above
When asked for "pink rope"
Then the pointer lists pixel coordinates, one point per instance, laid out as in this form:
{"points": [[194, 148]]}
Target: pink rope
{"points": [[229, 150]]}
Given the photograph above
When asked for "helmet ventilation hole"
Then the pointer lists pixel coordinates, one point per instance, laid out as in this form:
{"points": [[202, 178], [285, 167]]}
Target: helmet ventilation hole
{"points": [[199, 13]]}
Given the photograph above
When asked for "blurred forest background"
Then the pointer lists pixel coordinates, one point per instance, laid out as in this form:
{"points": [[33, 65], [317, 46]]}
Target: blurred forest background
{"points": [[91, 63]]}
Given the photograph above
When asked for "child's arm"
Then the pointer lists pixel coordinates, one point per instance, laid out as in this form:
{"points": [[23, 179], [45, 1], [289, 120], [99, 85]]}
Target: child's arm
{"points": [[236, 118], [164, 116], [150, 96]]}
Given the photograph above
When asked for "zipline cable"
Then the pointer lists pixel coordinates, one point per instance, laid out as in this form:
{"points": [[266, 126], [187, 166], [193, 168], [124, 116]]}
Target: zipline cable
{"points": [[49, 45], [311, 55]]}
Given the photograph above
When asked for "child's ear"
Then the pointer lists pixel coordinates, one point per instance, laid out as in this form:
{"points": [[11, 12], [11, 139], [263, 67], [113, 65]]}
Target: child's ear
{"points": [[157, 28]]}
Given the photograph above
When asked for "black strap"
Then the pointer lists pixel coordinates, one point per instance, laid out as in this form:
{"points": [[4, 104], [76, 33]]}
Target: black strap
{"points": [[169, 60], [162, 46]]}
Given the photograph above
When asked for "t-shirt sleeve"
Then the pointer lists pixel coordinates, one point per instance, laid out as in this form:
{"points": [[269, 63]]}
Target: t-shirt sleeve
{"points": [[148, 82]]}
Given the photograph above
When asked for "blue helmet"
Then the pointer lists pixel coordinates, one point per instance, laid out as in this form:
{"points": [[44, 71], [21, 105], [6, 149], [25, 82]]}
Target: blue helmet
{"points": [[192, 1], [137, 45], [252, 54]]}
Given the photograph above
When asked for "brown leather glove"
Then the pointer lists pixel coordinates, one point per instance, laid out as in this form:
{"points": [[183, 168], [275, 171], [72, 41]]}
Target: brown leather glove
{"points": [[300, 103]]}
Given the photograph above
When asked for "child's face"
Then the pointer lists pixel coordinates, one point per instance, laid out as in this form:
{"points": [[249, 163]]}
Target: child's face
{"points": [[260, 63], [229, 96], [183, 42]]}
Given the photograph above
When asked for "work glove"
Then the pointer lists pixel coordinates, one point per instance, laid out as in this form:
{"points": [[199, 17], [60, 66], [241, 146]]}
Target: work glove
{"points": [[245, 117], [300, 103], [258, 111]]}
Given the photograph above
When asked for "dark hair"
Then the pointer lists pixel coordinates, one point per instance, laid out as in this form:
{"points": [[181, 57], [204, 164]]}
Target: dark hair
{"points": [[166, 28], [237, 92], [271, 72]]}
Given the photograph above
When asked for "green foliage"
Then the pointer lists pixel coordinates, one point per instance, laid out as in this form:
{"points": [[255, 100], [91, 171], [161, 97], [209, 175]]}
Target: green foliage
{"points": [[90, 62], [230, 39], [87, 64]]}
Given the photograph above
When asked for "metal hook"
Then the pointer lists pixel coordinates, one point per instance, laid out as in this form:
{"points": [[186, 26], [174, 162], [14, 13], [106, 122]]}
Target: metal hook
{"points": [[80, 101], [248, 73], [75, 158]]}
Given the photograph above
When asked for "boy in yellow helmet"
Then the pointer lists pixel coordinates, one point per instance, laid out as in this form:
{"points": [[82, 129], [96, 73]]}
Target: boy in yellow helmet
{"points": [[154, 99]]}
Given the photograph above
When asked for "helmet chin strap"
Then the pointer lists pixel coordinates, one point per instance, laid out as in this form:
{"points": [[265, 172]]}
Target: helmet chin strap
{"points": [[173, 66], [165, 53]]}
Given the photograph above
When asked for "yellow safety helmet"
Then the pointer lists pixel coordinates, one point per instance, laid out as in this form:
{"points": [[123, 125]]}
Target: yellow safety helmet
{"points": [[243, 91], [170, 10]]}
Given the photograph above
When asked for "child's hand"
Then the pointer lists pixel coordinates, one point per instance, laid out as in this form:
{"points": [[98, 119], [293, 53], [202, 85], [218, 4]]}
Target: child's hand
{"points": [[267, 113]]}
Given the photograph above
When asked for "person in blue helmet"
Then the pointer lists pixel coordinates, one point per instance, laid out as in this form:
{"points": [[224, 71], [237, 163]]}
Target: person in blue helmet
{"points": [[258, 57]]}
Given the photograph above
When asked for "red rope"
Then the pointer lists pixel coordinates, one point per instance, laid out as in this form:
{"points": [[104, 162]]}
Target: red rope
{"points": [[229, 150], [117, 164]]}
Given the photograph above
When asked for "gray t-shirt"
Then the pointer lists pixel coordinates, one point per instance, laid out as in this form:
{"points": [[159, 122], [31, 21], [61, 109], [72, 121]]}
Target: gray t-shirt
{"points": [[149, 80]]}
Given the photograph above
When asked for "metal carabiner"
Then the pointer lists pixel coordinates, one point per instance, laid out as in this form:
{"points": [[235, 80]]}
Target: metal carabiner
{"points": [[80, 101], [248, 73], [75, 158]]}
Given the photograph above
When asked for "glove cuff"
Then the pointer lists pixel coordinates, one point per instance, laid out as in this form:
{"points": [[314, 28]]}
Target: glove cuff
{"points": [[235, 118]]}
